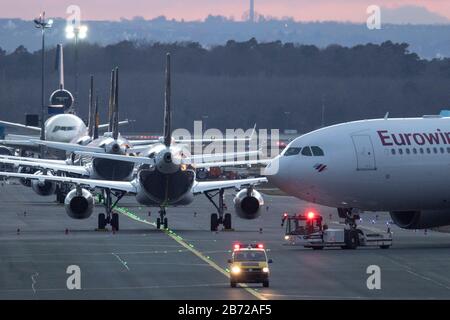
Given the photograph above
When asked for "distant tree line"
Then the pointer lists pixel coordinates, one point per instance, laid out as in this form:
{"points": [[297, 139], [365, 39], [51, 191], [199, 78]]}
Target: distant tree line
{"points": [[276, 85]]}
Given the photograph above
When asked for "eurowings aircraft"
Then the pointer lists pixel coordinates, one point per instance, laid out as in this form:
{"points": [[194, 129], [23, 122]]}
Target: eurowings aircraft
{"points": [[396, 165]]}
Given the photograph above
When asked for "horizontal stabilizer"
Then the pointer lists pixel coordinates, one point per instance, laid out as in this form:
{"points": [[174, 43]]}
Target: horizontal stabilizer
{"points": [[69, 147], [118, 157]]}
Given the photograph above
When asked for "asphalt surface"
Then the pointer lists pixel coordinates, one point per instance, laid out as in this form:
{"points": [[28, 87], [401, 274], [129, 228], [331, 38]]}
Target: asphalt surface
{"points": [[140, 262]]}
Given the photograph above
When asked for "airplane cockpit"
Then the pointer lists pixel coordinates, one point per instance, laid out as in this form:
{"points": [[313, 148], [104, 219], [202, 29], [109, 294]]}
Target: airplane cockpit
{"points": [[309, 151]]}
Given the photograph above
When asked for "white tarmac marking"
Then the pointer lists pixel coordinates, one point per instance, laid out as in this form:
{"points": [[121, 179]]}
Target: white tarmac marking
{"points": [[418, 275], [222, 284], [33, 281], [124, 263]]}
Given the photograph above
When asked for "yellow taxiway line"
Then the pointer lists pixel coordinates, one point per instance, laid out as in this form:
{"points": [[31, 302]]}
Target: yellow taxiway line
{"points": [[191, 248]]}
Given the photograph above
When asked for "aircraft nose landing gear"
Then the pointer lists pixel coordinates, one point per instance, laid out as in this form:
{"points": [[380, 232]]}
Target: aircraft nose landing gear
{"points": [[351, 235]]}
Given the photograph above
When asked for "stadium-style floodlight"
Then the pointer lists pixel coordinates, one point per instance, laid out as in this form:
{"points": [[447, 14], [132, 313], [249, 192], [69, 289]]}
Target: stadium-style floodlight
{"points": [[43, 24], [76, 32]]}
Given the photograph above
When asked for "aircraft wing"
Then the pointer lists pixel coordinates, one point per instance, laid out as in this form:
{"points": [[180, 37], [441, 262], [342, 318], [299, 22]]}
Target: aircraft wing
{"points": [[143, 142], [19, 125], [11, 136], [51, 166], [231, 163], [204, 186], [125, 186], [20, 144], [33, 159], [69, 147], [106, 125], [198, 159]]}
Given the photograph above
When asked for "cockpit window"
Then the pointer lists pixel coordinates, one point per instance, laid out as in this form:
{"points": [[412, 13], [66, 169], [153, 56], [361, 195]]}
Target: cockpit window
{"points": [[317, 151], [306, 151], [61, 128], [292, 151]]}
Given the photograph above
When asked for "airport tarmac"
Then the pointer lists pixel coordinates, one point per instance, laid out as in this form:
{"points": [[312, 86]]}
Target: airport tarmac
{"points": [[140, 262]]}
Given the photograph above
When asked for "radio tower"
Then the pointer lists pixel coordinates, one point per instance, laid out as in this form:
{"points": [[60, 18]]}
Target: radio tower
{"points": [[251, 16]]}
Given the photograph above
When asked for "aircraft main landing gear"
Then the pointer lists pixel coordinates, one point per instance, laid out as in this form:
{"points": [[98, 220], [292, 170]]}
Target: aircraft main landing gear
{"points": [[62, 189], [162, 219], [110, 217], [219, 218]]}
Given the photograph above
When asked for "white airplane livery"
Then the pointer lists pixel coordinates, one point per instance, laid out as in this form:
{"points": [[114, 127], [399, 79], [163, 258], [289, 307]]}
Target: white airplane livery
{"points": [[396, 165]]}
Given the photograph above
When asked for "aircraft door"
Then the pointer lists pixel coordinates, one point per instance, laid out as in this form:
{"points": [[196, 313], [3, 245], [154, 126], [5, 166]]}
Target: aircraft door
{"points": [[365, 155]]}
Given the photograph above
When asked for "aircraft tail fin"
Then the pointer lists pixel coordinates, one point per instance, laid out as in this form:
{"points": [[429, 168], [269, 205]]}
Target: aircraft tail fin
{"points": [[115, 128], [167, 107], [91, 108], [111, 100], [96, 118], [59, 65]]}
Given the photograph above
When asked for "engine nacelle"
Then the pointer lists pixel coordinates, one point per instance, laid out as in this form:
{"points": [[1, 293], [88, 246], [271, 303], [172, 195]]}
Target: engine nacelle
{"points": [[79, 204], [5, 151], [43, 188], [27, 170], [248, 203], [421, 219]]}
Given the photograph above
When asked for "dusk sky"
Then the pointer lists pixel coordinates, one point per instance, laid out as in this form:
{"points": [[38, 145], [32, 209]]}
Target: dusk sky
{"points": [[304, 10]]}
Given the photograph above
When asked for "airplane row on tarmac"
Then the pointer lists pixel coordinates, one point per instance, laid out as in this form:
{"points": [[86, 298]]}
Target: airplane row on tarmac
{"points": [[162, 174], [399, 165]]}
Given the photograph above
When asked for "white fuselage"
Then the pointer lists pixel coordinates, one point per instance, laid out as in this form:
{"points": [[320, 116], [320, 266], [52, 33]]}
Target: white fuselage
{"points": [[379, 164], [64, 128]]}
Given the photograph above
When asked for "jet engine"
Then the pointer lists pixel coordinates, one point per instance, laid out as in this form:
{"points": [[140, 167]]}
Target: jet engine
{"points": [[43, 188], [248, 203], [28, 170], [5, 151], [79, 203], [421, 219]]}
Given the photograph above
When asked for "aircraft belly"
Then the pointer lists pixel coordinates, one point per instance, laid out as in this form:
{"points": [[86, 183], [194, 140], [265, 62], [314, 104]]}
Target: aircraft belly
{"points": [[168, 189], [400, 188], [107, 169]]}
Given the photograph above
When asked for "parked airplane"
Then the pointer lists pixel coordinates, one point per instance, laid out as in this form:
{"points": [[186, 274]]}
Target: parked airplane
{"points": [[395, 165], [165, 177], [65, 127]]}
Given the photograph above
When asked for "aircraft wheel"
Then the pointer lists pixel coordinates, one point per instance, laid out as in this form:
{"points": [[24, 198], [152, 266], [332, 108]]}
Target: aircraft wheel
{"points": [[227, 221], [101, 221], [158, 223], [214, 222], [165, 223], [115, 221]]}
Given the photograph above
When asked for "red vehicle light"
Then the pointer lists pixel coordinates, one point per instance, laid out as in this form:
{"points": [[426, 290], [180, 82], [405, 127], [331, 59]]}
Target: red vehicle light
{"points": [[260, 246], [237, 247], [310, 215]]}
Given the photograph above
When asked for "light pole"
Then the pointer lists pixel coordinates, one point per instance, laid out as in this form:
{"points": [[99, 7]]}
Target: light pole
{"points": [[43, 24], [76, 32]]}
